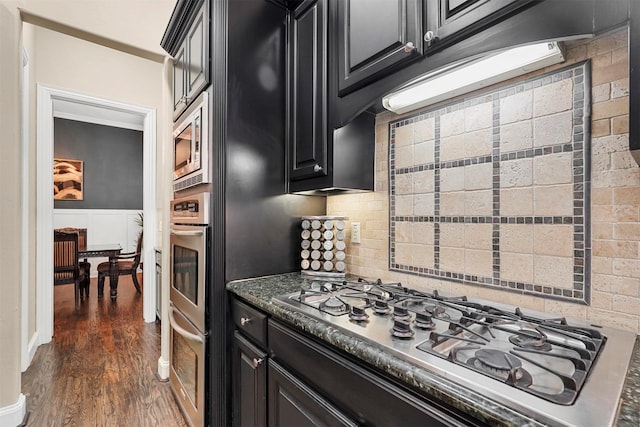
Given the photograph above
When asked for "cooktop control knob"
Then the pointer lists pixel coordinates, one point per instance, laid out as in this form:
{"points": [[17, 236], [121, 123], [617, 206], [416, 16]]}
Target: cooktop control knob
{"points": [[358, 314], [402, 329], [400, 313], [381, 307], [424, 321]]}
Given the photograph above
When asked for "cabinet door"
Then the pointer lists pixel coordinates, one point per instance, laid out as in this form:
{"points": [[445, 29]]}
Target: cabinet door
{"points": [[249, 384], [197, 56], [450, 20], [292, 403], [376, 36], [308, 90], [179, 95]]}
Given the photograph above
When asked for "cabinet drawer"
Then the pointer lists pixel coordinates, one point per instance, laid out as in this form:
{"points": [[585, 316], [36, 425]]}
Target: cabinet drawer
{"points": [[250, 321], [360, 394]]}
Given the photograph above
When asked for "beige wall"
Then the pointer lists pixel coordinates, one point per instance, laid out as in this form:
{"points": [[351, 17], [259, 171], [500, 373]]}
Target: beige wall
{"points": [[10, 216], [76, 65], [615, 221], [118, 20]]}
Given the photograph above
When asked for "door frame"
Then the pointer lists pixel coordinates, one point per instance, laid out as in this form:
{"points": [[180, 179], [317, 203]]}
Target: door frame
{"points": [[44, 211]]}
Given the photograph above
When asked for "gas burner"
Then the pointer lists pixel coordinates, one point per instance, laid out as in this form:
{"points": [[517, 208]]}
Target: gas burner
{"points": [[333, 304], [502, 365], [380, 294], [323, 286], [402, 329], [424, 321], [358, 314], [533, 339], [439, 312]]}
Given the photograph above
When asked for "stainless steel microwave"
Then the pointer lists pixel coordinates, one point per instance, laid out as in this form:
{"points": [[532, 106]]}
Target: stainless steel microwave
{"points": [[190, 142]]}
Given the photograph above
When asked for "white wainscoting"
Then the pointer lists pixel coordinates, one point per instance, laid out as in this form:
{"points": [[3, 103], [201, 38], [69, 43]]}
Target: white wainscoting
{"points": [[103, 226]]}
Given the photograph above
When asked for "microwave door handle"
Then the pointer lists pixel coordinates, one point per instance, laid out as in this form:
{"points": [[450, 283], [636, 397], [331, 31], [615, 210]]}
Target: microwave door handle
{"points": [[179, 329], [187, 233]]}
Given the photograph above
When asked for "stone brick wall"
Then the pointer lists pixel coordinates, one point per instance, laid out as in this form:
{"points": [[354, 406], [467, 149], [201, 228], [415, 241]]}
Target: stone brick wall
{"points": [[615, 199]]}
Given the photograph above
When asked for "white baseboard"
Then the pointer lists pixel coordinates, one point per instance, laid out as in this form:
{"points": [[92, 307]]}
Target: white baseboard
{"points": [[163, 369], [13, 415]]}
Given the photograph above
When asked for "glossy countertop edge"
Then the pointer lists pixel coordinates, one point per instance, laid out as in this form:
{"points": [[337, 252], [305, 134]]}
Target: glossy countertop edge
{"points": [[259, 291], [629, 415]]}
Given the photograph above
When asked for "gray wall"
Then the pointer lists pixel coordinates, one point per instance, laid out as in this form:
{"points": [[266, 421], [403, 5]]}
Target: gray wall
{"points": [[112, 164]]}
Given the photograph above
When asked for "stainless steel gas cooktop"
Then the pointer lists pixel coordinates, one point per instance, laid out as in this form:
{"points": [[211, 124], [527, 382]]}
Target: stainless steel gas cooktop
{"points": [[558, 371]]}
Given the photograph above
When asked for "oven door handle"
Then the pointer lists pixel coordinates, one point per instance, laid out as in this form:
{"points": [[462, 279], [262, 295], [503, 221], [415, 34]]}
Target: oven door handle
{"points": [[187, 233], [179, 329]]}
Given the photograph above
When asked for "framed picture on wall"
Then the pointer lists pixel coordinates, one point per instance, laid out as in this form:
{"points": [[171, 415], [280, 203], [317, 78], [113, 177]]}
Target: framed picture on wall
{"points": [[67, 179]]}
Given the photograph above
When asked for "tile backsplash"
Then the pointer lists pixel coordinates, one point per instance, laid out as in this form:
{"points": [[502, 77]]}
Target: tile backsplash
{"points": [[516, 228], [481, 190]]}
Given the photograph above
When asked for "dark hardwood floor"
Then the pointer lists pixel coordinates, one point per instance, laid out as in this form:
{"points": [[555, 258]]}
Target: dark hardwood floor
{"points": [[99, 369]]}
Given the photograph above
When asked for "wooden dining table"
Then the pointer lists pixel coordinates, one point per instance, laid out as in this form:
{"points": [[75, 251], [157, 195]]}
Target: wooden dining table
{"points": [[111, 251]]}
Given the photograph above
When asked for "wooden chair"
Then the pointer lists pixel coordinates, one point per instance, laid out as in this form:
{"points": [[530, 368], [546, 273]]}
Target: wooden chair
{"points": [[65, 261], [82, 236], [84, 266], [128, 263]]}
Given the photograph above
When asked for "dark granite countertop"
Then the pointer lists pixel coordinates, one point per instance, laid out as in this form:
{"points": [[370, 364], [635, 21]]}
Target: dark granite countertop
{"points": [[259, 291], [629, 415]]}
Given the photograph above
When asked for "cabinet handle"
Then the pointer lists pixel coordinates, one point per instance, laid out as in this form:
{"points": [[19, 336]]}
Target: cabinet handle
{"points": [[409, 47], [244, 321], [430, 37], [182, 100], [257, 362], [317, 168]]}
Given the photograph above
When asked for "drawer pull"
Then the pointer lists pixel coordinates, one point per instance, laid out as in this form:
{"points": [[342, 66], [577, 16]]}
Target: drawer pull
{"points": [[244, 321], [257, 362], [430, 37]]}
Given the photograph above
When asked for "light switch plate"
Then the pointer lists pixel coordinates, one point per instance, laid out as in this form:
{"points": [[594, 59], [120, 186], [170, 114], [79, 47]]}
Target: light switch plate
{"points": [[355, 232]]}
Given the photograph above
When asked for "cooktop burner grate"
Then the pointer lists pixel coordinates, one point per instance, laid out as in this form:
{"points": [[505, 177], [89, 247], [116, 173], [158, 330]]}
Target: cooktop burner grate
{"points": [[544, 357]]}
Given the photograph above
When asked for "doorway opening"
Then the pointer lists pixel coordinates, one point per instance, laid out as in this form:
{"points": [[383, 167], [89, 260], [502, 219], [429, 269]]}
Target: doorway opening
{"points": [[59, 103]]}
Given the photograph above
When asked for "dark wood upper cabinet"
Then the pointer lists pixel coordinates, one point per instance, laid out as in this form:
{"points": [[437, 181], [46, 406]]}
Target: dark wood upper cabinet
{"points": [[179, 89], [197, 54], [451, 20], [374, 38], [187, 40], [322, 157], [308, 89]]}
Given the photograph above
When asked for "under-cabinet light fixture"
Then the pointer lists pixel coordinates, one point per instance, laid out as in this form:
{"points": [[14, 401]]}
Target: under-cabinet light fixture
{"points": [[472, 75]]}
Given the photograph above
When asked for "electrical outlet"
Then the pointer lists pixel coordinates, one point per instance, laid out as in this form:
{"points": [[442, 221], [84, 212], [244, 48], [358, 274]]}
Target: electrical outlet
{"points": [[355, 232]]}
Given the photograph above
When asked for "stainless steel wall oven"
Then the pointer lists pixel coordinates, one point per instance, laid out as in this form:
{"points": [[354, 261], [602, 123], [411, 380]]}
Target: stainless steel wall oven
{"points": [[189, 247]]}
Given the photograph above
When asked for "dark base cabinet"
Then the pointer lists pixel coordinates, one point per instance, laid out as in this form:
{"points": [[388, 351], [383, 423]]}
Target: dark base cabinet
{"points": [[298, 381], [292, 403], [362, 395], [249, 383]]}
